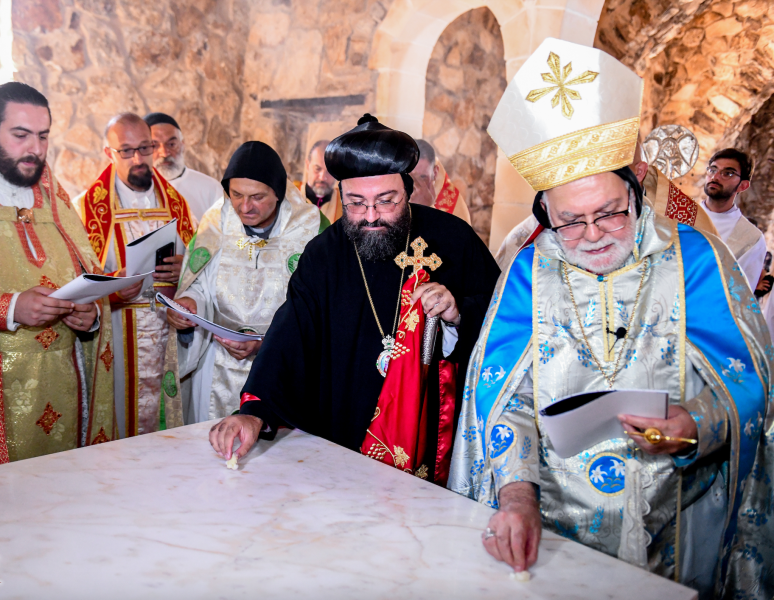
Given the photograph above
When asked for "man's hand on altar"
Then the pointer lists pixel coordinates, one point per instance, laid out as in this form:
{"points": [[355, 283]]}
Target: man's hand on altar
{"points": [[131, 292], [437, 300], [513, 533], [82, 317], [170, 272], [177, 320], [239, 350], [244, 427], [679, 424], [35, 309]]}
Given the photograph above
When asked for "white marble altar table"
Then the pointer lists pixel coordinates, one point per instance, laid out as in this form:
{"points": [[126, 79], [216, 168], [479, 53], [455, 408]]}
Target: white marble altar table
{"points": [[160, 516]]}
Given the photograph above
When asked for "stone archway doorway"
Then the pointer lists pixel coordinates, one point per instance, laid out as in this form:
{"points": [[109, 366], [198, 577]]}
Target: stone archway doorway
{"points": [[404, 43]]}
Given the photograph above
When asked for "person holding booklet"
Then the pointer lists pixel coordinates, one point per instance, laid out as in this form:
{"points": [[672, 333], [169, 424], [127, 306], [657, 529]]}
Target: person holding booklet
{"points": [[235, 273], [610, 296], [126, 202], [56, 355]]}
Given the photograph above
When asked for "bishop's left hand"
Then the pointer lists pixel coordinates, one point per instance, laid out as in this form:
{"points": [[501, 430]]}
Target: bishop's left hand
{"points": [[437, 300], [679, 423], [82, 317], [170, 272], [239, 350]]}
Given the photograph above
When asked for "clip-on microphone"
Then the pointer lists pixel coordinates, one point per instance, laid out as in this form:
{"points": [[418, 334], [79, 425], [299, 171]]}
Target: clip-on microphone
{"points": [[619, 334]]}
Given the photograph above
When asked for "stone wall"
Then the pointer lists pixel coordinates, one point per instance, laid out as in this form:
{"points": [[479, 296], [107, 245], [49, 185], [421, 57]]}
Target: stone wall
{"points": [[707, 65], [229, 71], [306, 72], [465, 80], [756, 138], [94, 58]]}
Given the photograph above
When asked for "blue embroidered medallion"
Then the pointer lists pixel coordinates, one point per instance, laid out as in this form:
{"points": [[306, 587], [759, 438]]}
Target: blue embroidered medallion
{"points": [[606, 474], [502, 439]]}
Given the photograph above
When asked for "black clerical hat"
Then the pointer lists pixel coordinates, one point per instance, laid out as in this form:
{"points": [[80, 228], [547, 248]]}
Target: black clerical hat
{"points": [[156, 118], [259, 162], [371, 149]]}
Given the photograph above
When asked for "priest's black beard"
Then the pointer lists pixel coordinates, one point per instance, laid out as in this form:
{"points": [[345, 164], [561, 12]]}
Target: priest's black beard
{"points": [[9, 169], [378, 245], [140, 180]]}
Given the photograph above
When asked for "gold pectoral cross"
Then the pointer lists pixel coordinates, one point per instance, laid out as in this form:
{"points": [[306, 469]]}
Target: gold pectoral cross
{"points": [[243, 243], [419, 260]]}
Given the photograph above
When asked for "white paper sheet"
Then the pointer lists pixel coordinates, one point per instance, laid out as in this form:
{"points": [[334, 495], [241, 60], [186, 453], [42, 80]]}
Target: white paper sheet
{"points": [[88, 288], [141, 253], [572, 431], [220, 331]]}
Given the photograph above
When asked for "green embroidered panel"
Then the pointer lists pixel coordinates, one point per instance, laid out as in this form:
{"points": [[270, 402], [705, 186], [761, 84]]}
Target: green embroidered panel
{"points": [[199, 258], [170, 387]]}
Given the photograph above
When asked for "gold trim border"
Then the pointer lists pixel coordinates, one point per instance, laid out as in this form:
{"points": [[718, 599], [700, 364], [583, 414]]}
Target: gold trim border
{"points": [[578, 154]]}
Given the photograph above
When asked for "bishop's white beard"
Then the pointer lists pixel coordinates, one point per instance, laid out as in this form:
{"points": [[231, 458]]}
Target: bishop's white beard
{"points": [[605, 263]]}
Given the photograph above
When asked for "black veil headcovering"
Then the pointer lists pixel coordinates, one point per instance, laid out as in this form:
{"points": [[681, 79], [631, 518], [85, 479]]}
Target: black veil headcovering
{"points": [[259, 162], [372, 149], [624, 173]]}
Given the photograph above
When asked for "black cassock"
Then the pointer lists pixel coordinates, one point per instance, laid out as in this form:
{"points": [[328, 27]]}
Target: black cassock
{"points": [[316, 369]]}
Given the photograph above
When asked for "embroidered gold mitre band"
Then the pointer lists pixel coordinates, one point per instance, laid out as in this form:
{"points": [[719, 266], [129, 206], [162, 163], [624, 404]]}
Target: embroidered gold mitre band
{"points": [[587, 152]]}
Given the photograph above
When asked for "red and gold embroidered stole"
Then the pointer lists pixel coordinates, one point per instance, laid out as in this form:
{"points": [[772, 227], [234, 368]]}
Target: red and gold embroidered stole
{"points": [[448, 196], [398, 432], [103, 215]]}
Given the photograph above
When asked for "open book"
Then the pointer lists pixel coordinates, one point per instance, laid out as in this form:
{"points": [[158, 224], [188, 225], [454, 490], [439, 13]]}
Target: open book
{"points": [[219, 330], [579, 421]]}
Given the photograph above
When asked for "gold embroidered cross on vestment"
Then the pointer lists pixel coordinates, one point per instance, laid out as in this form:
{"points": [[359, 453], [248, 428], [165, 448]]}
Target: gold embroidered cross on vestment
{"points": [[558, 78], [243, 243], [419, 260]]}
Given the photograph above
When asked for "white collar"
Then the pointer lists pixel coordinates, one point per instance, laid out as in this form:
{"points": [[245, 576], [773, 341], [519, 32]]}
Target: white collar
{"points": [[11, 189], [734, 209], [13, 195]]}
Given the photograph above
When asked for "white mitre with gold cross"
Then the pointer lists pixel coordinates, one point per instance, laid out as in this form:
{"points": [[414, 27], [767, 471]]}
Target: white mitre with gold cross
{"points": [[570, 111]]}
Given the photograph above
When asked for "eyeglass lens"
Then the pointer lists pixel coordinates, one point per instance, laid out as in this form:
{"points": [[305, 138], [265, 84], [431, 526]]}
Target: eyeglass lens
{"points": [[607, 224]]}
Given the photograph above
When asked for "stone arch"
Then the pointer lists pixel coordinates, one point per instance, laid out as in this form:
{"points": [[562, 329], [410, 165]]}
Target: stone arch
{"points": [[465, 81], [405, 40]]}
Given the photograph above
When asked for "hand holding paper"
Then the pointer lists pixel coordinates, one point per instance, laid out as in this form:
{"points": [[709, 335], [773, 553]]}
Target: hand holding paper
{"points": [[223, 332], [82, 317], [131, 292], [36, 307], [178, 320]]}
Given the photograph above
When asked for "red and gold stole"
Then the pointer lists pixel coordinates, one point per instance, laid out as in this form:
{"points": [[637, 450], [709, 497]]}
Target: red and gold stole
{"points": [[397, 435], [448, 196], [103, 215]]}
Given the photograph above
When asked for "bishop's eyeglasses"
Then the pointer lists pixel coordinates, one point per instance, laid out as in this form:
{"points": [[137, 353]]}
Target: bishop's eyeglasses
{"points": [[606, 224], [129, 152], [383, 207]]}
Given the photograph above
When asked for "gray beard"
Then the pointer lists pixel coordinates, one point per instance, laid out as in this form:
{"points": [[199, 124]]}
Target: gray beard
{"points": [[170, 172], [376, 245]]}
